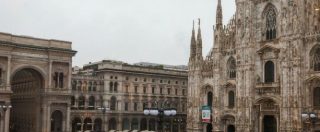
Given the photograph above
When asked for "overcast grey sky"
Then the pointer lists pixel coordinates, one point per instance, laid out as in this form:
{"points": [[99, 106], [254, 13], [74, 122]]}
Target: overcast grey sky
{"points": [[128, 30]]}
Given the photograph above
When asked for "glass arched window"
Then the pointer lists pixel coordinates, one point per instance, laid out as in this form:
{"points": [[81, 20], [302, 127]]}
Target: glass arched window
{"points": [[231, 68], [113, 103], [91, 102], [316, 97], [269, 72], [315, 58], [231, 99], [271, 22]]}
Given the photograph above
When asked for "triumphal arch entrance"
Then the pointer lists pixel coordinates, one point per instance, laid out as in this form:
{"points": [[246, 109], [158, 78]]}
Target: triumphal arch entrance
{"points": [[35, 77]]}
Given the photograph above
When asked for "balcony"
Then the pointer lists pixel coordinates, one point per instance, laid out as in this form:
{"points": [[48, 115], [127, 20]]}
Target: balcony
{"points": [[272, 88]]}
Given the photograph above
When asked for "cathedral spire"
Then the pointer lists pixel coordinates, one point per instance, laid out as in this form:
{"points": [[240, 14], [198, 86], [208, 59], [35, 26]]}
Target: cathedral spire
{"points": [[193, 44], [219, 16], [199, 42]]}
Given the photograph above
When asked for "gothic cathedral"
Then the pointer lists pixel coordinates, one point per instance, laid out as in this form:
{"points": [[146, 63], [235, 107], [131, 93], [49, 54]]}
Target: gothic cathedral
{"points": [[263, 71]]}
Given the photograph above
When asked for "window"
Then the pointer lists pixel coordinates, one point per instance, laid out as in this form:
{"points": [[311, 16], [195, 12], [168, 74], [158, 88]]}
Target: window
{"points": [[113, 103], [0, 73], [209, 99], [74, 85], [111, 77], [316, 97], [176, 82], [115, 89], [145, 105], [315, 58], [231, 99], [160, 90], [144, 89], [135, 89], [183, 83], [94, 86], [111, 86], [127, 88], [81, 102], [160, 81], [115, 77], [231, 68], [271, 22], [183, 92], [135, 106], [169, 82], [153, 80], [144, 79], [176, 92], [169, 90], [126, 104], [269, 72], [73, 101], [127, 78], [55, 78], [153, 88], [136, 79], [91, 103]]}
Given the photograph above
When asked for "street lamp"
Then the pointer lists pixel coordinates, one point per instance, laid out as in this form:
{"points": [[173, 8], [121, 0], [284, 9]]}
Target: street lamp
{"points": [[309, 118], [160, 112], [103, 110], [4, 108]]}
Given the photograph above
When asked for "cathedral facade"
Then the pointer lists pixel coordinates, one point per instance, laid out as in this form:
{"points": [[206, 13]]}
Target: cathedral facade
{"points": [[263, 71]]}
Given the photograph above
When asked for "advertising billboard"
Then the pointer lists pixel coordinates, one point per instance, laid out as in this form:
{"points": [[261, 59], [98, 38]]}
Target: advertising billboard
{"points": [[206, 114]]}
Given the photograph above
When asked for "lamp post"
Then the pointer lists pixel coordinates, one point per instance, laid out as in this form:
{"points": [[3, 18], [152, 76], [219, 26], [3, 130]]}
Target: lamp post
{"points": [[309, 119], [160, 112], [4, 108], [103, 110]]}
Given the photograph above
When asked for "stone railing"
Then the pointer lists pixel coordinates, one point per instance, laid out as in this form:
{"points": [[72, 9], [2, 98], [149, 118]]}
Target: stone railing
{"points": [[272, 88]]}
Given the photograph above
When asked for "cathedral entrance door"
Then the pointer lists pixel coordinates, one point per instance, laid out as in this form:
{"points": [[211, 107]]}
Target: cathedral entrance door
{"points": [[269, 124], [231, 128]]}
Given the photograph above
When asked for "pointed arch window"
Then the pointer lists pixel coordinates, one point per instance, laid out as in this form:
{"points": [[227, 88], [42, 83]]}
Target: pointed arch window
{"points": [[209, 99], [231, 68], [315, 58], [271, 22], [231, 99]]}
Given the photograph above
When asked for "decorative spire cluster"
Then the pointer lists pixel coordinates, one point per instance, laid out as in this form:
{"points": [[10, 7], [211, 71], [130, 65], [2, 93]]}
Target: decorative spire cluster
{"points": [[196, 44], [219, 16]]}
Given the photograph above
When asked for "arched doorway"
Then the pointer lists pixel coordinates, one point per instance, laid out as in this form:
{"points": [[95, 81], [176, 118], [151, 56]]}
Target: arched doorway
{"points": [[25, 85], [112, 124], [97, 125], [87, 126], [135, 124], [125, 124], [231, 128], [269, 124], [56, 121], [209, 127], [143, 124], [152, 124], [76, 124]]}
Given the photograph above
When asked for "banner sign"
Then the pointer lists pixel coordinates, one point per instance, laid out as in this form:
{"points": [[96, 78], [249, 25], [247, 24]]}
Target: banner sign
{"points": [[206, 114]]}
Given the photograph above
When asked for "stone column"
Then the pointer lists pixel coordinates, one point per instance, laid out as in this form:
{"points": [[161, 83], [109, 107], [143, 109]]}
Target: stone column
{"points": [[45, 112], [260, 123], [48, 119], [67, 128], [119, 123], [8, 73], [50, 74], [7, 117]]}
